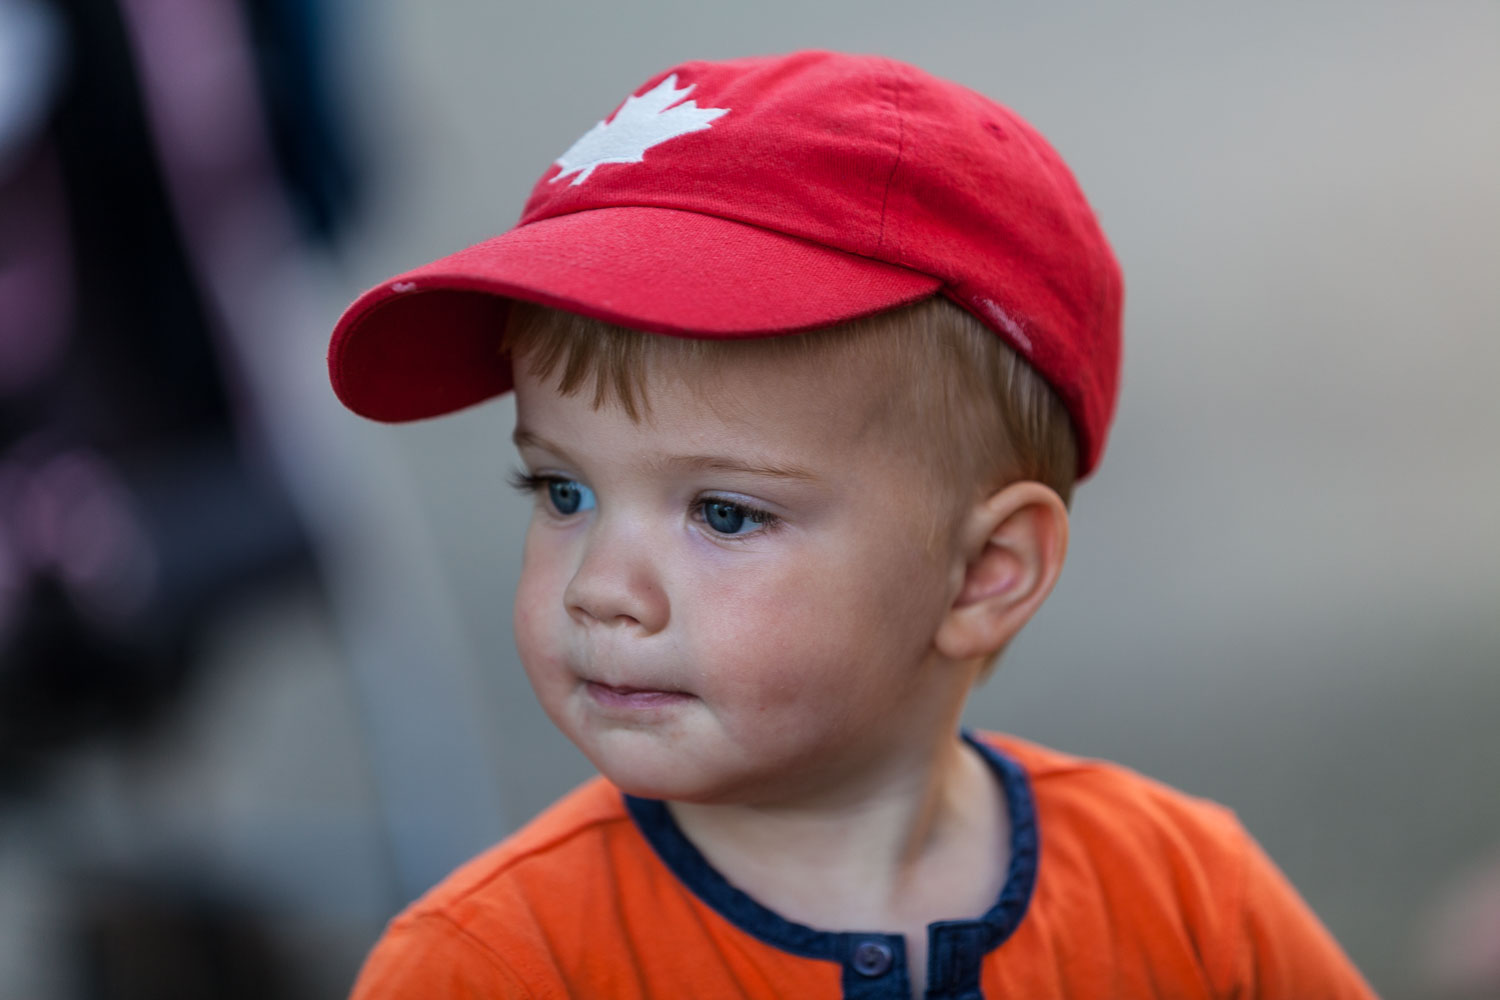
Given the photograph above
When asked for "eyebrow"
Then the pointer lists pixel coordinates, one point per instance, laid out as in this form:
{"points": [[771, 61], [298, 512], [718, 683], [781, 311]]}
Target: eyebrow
{"points": [[522, 438], [720, 463], [705, 463]]}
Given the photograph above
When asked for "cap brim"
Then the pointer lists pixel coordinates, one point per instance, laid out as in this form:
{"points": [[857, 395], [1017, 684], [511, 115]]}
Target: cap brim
{"points": [[427, 342]]}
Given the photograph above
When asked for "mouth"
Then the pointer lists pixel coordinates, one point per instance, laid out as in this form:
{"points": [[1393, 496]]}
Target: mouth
{"points": [[634, 698]]}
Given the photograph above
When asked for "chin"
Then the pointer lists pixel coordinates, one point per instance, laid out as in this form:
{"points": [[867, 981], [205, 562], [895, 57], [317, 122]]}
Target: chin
{"points": [[669, 774], [675, 781]]}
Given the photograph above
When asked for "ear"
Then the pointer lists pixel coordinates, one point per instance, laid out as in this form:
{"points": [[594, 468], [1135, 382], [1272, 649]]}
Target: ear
{"points": [[1013, 545]]}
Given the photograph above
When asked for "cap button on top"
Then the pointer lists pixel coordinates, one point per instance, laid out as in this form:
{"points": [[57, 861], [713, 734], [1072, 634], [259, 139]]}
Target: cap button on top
{"points": [[872, 958]]}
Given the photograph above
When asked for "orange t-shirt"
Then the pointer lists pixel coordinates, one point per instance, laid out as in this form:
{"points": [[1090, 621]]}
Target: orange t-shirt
{"points": [[1118, 887]]}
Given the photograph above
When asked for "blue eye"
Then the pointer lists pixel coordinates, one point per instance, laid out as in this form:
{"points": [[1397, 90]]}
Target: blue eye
{"points": [[734, 519], [568, 496], [723, 517]]}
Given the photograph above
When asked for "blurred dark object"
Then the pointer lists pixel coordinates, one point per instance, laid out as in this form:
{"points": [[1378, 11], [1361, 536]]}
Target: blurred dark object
{"points": [[134, 506], [167, 939], [291, 46], [120, 577]]}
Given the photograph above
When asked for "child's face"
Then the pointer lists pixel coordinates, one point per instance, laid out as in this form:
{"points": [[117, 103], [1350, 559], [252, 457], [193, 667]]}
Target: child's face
{"points": [[735, 598]]}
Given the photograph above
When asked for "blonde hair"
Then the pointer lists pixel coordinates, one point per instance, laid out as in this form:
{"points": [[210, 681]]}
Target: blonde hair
{"points": [[977, 408]]}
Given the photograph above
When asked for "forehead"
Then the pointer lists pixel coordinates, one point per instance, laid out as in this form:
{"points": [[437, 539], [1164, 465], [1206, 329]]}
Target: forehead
{"points": [[754, 394]]}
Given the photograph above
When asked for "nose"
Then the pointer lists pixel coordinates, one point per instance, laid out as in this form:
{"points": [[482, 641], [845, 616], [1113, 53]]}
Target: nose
{"points": [[617, 583]]}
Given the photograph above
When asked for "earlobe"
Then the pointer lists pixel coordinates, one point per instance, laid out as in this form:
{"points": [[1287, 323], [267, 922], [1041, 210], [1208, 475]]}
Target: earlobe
{"points": [[1015, 543]]}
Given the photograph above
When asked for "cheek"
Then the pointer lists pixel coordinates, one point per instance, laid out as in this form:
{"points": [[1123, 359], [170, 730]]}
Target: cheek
{"points": [[538, 607], [811, 625]]}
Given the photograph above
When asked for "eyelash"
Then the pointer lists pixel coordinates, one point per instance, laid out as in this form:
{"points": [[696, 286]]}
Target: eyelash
{"points": [[528, 484]]}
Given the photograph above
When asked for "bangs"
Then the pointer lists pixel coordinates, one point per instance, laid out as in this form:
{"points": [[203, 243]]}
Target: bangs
{"points": [[956, 393]]}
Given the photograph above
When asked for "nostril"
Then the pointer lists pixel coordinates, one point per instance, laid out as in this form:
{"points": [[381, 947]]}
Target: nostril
{"points": [[581, 613]]}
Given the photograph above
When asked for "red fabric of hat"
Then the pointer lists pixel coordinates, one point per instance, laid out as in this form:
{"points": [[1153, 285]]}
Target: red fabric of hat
{"points": [[761, 197]]}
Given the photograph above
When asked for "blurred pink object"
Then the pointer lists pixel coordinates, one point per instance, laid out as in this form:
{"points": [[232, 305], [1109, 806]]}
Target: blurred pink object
{"points": [[1461, 946]]}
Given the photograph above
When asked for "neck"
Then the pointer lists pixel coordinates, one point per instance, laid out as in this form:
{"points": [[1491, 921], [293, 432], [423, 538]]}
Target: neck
{"points": [[884, 847]]}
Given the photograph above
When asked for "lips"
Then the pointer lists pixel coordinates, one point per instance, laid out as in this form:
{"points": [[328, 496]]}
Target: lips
{"points": [[638, 698]]}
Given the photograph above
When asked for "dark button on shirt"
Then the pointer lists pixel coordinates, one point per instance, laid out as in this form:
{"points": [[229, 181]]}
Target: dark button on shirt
{"points": [[872, 958]]}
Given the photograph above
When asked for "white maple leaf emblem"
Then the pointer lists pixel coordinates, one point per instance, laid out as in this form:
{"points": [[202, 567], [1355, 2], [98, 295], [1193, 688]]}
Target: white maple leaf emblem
{"points": [[641, 122]]}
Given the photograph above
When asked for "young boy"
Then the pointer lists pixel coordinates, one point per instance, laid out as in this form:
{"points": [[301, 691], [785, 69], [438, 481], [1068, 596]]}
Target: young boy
{"points": [[807, 352]]}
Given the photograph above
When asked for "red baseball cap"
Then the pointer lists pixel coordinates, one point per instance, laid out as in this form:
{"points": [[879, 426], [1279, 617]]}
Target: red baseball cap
{"points": [[761, 197]]}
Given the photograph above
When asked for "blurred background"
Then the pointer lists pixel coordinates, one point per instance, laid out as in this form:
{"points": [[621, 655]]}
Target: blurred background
{"points": [[257, 685]]}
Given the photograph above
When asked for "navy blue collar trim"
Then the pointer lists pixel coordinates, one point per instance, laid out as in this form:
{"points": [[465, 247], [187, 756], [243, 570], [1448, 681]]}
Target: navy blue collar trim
{"points": [[678, 853]]}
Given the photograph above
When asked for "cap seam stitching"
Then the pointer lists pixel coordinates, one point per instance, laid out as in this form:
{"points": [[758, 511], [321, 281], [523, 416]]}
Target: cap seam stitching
{"points": [[890, 178]]}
